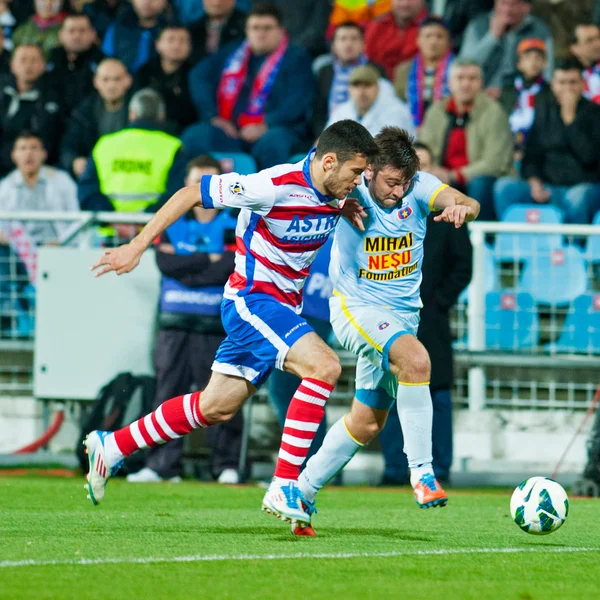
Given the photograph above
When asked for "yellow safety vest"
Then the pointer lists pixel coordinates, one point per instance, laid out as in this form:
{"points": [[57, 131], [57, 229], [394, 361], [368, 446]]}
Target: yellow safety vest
{"points": [[133, 166]]}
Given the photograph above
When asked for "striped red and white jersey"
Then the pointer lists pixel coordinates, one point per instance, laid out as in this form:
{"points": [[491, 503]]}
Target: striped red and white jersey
{"points": [[282, 224]]}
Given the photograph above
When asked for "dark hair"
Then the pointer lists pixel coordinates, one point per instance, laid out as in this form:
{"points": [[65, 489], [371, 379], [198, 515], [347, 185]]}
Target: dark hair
{"points": [[433, 20], [396, 150], [264, 9], [346, 138], [175, 26], [423, 146], [568, 63], [204, 161], [28, 134], [349, 25], [573, 34], [77, 15]]}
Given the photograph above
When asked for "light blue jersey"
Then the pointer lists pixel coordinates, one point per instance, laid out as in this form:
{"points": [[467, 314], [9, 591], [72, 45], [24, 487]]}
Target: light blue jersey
{"points": [[382, 265]]}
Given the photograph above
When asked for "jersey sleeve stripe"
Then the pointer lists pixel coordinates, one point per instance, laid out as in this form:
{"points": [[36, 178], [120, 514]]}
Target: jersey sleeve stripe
{"points": [[207, 201], [434, 196]]}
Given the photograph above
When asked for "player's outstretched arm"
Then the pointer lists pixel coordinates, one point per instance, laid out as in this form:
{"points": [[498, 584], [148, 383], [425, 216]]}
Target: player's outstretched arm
{"points": [[125, 258], [456, 207]]}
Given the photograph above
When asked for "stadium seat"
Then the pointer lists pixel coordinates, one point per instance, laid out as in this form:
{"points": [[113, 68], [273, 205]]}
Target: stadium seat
{"points": [[239, 162], [581, 332], [514, 247], [511, 321], [555, 278], [491, 276]]}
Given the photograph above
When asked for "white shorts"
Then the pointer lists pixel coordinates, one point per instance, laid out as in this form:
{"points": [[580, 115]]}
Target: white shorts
{"points": [[369, 332]]}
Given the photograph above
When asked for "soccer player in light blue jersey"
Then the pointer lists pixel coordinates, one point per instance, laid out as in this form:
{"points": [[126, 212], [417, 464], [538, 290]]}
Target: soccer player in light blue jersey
{"points": [[376, 273]]}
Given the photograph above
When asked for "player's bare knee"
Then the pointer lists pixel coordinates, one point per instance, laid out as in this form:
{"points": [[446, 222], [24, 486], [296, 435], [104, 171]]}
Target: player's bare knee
{"points": [[325, 367], [214, 415], [410, 363]]}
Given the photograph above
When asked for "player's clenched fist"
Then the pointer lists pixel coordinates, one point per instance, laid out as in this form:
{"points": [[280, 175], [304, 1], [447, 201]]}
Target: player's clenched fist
{"points": [[456, 214], [121, 260]]}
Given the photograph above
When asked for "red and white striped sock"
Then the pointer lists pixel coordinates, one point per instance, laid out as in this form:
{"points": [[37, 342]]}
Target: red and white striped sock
{"points": [[304, 415], [171, 420]]}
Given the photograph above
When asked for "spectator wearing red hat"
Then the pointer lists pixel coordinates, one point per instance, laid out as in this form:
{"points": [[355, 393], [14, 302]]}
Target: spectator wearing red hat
{"points": [[522, 93]]}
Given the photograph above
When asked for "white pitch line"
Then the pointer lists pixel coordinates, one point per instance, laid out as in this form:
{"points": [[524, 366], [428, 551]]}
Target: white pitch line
{"points": [[9, 564]]}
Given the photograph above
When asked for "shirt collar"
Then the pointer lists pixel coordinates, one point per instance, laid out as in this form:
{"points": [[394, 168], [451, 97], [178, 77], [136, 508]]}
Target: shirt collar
{"points": [[306, 173], [20, 180]]}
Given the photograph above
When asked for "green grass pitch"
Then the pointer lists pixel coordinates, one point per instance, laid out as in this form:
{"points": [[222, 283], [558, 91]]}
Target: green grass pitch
{"points": [[192, 540]]}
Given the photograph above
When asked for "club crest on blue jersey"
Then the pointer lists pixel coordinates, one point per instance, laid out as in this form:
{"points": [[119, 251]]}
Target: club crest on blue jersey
{"points": [[383, 325], [237, 188], [405, 212]]}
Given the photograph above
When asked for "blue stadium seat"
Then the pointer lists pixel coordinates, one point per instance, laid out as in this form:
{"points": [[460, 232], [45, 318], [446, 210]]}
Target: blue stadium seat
{"points": [[239, 162], [581, 332], [491, 276], [593, 246], [556, 278], [511, 321], [514, 247]]}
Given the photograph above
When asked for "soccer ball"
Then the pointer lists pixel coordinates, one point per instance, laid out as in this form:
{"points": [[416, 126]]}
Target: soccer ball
{"points": [[539, 505]]}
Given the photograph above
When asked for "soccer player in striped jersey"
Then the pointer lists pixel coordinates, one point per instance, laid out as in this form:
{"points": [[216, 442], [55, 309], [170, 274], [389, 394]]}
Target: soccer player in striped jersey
{"points": [[287, 214], [376, 274]]}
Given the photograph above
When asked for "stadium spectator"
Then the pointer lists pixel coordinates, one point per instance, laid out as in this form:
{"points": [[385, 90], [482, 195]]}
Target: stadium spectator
{"points": [[333, 72], [42, 29], [424, 79], [102, 13], [131, 169], [492, 39], [195, 260], [447, 269], [132, 36], [73, 64], [469, 136], [425, 157], [104, 111], [356, 11], [585, 46], [458, 13], [306, 23], [34, 186], [255, 98], [7, 24], [191, 11], [561, 164], [520, 95], [562, 16], [27, 102], [392, 39], [315, 309], [221, 25], [167, 74], [369, 106]]}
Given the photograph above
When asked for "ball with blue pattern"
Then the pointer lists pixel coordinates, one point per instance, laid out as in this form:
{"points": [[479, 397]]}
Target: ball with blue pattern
{"points": [[539, 505]]}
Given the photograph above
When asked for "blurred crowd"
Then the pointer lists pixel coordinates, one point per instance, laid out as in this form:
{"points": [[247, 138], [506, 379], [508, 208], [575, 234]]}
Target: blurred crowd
{"points": [[105, 101]]}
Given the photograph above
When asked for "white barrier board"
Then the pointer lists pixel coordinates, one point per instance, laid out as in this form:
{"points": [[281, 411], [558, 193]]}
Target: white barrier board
{"points": [[88, 329]]}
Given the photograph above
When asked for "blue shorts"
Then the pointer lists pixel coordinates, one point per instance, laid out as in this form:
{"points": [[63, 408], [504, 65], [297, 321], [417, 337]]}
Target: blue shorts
{"points": [[260, 332]]}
